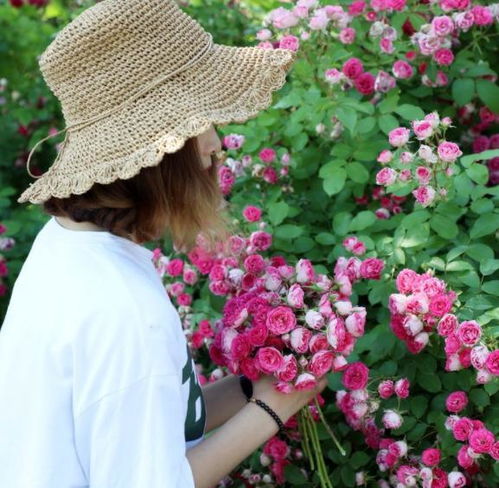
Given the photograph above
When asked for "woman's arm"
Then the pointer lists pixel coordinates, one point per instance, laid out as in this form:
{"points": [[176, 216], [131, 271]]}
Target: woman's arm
{"points": [[223, 399], [218, 454]]}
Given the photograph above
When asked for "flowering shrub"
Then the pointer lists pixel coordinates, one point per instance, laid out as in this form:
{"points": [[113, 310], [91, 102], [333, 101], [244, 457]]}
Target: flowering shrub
{"points": [[381, 148]]}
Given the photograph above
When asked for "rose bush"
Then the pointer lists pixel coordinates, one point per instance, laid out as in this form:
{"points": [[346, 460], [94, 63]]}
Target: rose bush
{"points": [[381, 148]]}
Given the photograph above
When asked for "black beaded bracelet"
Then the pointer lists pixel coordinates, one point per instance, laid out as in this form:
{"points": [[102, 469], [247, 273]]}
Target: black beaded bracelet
{"points": [[246, 386], [269, 411]]}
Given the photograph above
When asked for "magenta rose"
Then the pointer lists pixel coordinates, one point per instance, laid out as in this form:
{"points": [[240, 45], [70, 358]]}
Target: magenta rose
{"points": [[371, 268], [276, 448], [353, 68], [492, 362], [481, 440], [281, 320], [175, 267], [462, 429], [321, 363], [402, 70], [402, 388], [252, 213], [355, 376], [456, 401], [267, 155], [469, 332], [269, 360], [364, 83], [254, 264], [261, 240], [431, 457], [299, 339], [406, 281], [447, 325], [386, 389], [441, 304]]}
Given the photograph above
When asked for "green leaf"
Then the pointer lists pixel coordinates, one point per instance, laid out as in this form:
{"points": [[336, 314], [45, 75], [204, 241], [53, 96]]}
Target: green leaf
{"points": [[485, 224], [479, 252], [335, 181], [488, 154], [294, 475], [491, 287], [479, 397], [366, 125], [410, 112], [288, 231], [325, 238], [478, 173], [489, 94], [458, 266], [359, 459], [357, 172], [482, 205], [418, 405], [278, 211], [348, 117], [362, 220], [341, 223], [387, 122], [488, 266], [444, 227], [463, 91], [430, 382]]}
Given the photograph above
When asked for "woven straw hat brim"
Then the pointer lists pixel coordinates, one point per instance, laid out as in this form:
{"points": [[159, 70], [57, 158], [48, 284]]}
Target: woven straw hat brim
{"points": [[230, 84]]}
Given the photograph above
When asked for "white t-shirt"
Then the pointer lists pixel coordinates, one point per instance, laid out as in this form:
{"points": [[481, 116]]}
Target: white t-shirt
{"points": [[97, 387]]}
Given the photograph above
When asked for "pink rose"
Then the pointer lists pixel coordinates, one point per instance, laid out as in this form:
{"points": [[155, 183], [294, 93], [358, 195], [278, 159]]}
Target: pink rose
{"points": [[240, 347], [482, 15], [431, 457], [402, 70], [462, 429], [318, 342], [447, 325], [456, 401], [371, 268], [478, 356], [423, 175], [305, 381], [443, 57], [289, 42], [261, 240], [386, 176], [422, 129], [441, 304], [398, 137], [321, 363], [295, 296], [270, 175], [353, 68], [391, 419], [235, 141], [252, 213], [276, 448], [254, 264], [469, 332], [304, 271], [299, 339], [333, 75], [347, 35], [355, 323], [448, 151], [386, 389], [281, 320], [402, 388], [406, 280], [481, 440], [492, 362], [385, 156], [442, 25], [494, 451], [184, 299], [424, 195], [355, 376], [289, 369], [463, 458], [175, 267], [364, 83], [282, 18], [269, 360], [314, 319]]}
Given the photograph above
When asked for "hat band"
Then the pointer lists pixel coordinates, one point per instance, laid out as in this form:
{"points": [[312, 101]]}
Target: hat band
{"points": [[79, 125]]}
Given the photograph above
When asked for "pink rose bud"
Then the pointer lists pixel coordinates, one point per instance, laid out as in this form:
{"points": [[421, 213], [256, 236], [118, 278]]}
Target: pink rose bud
{"points": [[392, 419], [456, 401], [402, 388], [314, 319], [399, 137], [386, 389], [456, 479], [295, 296]]}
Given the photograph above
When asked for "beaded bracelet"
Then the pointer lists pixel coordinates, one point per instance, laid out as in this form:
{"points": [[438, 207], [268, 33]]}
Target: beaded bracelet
{"points": [[269, 411]]}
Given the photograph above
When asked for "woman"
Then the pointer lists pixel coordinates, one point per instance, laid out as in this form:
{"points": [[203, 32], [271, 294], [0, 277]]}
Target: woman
{"points": [[97, 385]]}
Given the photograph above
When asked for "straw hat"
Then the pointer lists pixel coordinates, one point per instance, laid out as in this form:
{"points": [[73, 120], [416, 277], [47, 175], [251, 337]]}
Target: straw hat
{"points": [[135, 79]]}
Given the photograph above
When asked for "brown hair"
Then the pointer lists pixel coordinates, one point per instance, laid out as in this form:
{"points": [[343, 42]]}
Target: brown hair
{"points": [[177, 198]]}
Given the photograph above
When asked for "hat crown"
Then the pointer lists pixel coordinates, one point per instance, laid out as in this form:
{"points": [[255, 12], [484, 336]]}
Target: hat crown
{"points": [[111, 50]]}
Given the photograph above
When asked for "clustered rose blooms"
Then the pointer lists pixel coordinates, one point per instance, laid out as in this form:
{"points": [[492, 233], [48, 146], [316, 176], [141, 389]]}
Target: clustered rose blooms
{"points": [[428, 167], [268, 167], [422, 300], [352, 244], [290, 321], [389, 204], [478, 440]]}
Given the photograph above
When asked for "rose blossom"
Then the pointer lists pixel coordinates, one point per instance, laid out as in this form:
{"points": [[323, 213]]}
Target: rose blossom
{"points": [[321, 363], [478, 356], [447, 325], [398, 137], [252, 213], [424, 195], [372, 268], [386, 176], [305, 381], [281, 320], [406, 280], [456, 401], [481, 440], [289, 42], [492, 362], [402, 388], [482, 15], [448, 151], [402, 70], [431, 457], [314, 319], [355, 323], [442, 25], [352, 68], [364, 83], [299, 339], [422, 129], [269, 359], [469, 332], [289, 369], [462, 429], [295, 296], [386, 389], [456, 479], [443, 57], [355, 376], [304, 271], [391, 419]]}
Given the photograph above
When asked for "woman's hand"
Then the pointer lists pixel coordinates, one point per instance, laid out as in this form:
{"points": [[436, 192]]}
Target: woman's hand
{"points": [[284, 404]]}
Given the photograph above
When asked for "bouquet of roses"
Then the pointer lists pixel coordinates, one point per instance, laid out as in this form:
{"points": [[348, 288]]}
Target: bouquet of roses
{"points": [[295, 324]]}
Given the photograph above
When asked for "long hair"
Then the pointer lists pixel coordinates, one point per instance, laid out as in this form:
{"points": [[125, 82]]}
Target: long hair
{"points": [[177, 198]]}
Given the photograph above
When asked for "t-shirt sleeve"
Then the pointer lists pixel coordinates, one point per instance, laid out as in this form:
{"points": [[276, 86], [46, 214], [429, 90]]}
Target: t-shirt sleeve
{"points": [[134, 437]]}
